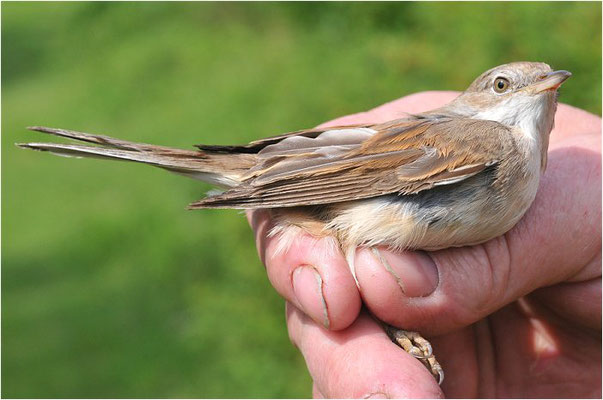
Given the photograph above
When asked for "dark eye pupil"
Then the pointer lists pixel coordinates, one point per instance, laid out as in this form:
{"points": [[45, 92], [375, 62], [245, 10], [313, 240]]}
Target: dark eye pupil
{"points": [[501, 84]]}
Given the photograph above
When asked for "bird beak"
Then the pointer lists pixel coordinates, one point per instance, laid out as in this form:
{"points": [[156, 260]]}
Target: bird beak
{"points": [[550, 81]]}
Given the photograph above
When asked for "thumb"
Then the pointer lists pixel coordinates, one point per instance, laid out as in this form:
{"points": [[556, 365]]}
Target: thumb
{"points": [[558, 240]]}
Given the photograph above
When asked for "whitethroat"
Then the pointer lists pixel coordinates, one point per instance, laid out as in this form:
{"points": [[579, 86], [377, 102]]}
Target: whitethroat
{"points": [[454, 176]]}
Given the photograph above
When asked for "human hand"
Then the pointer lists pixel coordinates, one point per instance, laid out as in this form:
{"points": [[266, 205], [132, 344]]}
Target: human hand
{"points": [[519, 315]]}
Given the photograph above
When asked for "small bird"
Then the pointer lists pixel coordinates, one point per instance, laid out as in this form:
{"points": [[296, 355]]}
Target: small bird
{"points": [[455, 176]]}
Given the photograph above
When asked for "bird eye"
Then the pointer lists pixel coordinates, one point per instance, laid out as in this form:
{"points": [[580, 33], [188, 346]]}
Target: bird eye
{"points": [[501, 85]]}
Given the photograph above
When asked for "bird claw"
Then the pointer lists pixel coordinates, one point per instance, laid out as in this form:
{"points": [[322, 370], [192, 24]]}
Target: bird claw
{"points": [[418, 347]]}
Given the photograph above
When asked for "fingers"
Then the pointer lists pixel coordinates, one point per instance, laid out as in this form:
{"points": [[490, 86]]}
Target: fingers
{"points": [[571, 121], [358, 362], [316, 394], [310, 273], [414, 103], [578, 303], [558, 240]]}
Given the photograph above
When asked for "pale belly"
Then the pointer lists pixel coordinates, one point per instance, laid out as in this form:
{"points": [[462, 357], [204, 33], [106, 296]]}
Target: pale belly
{"points": [[466, 213]]}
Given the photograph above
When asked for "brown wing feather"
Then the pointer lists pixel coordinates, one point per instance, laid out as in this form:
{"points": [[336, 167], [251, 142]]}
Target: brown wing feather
{"points": [[402, 157], [257, 145]]}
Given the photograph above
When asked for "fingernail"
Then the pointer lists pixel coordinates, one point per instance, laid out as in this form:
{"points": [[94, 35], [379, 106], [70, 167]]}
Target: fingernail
{"points": [[378, 395], [308, 289], [414, 271]]}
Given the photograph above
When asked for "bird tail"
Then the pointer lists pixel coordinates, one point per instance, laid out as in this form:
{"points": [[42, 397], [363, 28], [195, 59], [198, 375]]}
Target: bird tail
{"points": [[213, 167]]}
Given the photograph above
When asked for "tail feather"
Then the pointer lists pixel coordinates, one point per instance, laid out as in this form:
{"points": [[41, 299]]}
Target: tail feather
{"points": [[107, 141], [196, 164], [148, 157]]}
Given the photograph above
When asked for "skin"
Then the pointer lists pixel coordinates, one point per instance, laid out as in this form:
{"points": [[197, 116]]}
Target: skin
{"points": [[517, 316]]}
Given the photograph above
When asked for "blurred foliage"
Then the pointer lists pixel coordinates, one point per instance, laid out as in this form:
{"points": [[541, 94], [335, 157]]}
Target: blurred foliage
{"points": [[109, 287]]}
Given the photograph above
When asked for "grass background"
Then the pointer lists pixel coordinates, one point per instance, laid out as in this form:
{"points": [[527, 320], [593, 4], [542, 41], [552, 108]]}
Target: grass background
{"points": [[110, 288]]}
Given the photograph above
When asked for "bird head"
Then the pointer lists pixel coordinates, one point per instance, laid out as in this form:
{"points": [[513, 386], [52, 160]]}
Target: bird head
{"points": [[519, 94]]}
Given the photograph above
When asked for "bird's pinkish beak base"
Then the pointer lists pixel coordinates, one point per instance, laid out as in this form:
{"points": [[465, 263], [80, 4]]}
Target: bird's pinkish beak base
{"points": [[550, 81]]}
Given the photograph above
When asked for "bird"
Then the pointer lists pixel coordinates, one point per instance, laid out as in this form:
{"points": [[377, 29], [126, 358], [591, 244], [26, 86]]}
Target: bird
{"points": [[458, 175]]}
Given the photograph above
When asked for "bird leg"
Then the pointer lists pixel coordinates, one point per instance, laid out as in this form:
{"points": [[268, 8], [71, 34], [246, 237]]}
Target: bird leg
{"points": [[411, 342], [418, 347]]}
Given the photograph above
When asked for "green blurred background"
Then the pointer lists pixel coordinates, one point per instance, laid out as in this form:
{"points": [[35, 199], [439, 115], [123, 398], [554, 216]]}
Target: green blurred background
{"points": [[110, 288]]}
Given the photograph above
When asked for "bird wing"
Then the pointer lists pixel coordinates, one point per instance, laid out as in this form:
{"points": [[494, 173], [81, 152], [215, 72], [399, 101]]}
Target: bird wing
{"points": [[349, 163], [258, 145]]}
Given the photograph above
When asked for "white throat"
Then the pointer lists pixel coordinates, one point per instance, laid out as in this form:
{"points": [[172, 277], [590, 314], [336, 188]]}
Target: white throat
{"points": [[531, 114]]}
